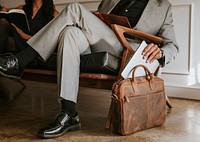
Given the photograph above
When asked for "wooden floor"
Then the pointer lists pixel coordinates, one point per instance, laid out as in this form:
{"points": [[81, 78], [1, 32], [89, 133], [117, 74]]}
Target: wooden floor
{"points": [[25, 110]]}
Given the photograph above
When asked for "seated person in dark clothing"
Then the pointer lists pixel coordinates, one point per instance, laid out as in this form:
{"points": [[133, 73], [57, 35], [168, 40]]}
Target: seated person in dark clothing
{"points": [[39, 13]]}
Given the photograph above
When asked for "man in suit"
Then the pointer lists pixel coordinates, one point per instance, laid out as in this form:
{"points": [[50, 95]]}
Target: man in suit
{"points": [[77, 31]]}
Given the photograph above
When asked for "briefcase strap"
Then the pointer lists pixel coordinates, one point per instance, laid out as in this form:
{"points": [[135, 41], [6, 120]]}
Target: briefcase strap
{"points": [[111, 109], [110, 115], [169, 105]]}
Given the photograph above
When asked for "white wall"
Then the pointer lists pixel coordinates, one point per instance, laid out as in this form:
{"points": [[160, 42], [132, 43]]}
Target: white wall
{"points": [[185, 70]]}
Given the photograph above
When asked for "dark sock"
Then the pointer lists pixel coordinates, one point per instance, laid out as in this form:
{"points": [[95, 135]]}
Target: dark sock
{"points": [[26, 56], [69, 107]]}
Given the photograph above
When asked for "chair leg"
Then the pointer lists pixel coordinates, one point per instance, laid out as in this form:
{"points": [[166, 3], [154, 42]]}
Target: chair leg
{"points": [[169, 105]]}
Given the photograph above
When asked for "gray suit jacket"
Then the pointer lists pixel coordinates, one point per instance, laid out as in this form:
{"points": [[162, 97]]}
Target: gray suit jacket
{"points": [[156, 19]]}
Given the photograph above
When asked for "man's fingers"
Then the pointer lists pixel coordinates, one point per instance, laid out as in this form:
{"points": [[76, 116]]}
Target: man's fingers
{"points": [[146, 49], [151, 52], [154, 55]]}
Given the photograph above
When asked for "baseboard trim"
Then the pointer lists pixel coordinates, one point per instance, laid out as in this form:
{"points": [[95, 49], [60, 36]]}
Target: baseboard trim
{"points": [[182, 92]]}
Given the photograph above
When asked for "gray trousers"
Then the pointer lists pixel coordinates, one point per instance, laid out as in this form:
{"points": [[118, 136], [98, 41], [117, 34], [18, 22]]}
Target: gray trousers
{"points": [[74, 31]]}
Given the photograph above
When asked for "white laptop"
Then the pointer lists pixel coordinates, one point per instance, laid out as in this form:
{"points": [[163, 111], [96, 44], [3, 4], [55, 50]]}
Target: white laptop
{"points": [[136, 60]]}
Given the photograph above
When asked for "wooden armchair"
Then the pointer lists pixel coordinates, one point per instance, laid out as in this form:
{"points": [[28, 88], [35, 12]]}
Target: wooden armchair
{"points": [[99, 80]]}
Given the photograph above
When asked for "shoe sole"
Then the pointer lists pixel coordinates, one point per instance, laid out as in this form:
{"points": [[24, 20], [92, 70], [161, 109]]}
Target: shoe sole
{"points": [[10, 76], [69, 129]]}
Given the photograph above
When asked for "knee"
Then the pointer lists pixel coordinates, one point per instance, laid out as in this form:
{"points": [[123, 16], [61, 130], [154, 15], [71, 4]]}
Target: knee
{"points": [[3, 21], [74, 39], [74, 6], [70, 31]]}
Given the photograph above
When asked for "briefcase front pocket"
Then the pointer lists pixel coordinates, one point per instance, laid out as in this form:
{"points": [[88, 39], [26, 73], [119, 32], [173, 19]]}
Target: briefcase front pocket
{"points": [[141, 112]]}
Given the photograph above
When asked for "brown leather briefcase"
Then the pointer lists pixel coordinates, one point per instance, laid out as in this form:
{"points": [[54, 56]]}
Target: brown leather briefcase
{"points": [[138, 103]]}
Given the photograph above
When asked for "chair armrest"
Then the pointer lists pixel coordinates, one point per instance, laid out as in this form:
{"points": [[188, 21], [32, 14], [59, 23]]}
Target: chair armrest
{"points": [[121, 31]]}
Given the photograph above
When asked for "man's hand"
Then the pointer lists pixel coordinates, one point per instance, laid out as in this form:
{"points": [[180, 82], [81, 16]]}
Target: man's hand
{"points": [[152, 52], [21, 33]]}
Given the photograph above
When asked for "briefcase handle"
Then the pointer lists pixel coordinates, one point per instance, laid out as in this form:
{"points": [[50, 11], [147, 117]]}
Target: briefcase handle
{"points": [[149, 75]]}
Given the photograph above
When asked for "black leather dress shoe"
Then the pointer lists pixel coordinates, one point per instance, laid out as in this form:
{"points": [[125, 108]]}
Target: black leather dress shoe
{"points": [[9, 66], [63, 123]]}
